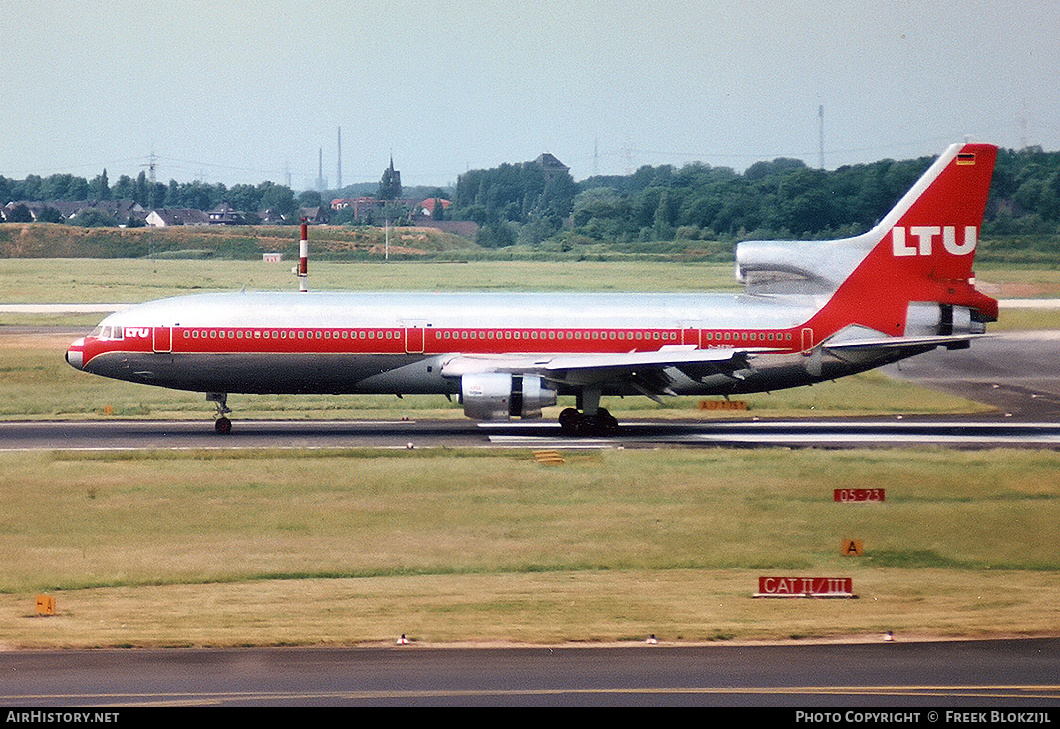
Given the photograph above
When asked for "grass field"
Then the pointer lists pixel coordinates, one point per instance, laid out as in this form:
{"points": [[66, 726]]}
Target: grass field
{"points": [[222, 548], [31, 280], [345, 547], [44, 240], [136, 280]]}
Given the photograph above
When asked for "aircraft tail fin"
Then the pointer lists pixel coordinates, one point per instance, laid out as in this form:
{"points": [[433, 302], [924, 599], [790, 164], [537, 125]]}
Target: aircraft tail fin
{"points": [[916, 277]]}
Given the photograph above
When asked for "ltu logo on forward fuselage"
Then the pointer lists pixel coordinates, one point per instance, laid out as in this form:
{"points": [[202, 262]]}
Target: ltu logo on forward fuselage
{"points": [[925, 234]]}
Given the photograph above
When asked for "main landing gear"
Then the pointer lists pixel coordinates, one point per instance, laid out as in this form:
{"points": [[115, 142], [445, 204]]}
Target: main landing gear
{"points": [[222, 425], [574, 422], [588, 419]]}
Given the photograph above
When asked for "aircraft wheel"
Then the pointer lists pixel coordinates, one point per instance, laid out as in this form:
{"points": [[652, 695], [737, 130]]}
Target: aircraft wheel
{"points": [[573, 422], [568, 420], [606, 423], [584, 427], [223, 426]]}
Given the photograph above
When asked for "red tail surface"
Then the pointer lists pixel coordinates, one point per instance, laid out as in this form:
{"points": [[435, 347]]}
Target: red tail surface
{"points": [[922, 251]]}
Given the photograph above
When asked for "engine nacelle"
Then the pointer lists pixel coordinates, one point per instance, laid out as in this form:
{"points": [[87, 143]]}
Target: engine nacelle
{"points": [[501, 395], [927, 318], [796, 267]]}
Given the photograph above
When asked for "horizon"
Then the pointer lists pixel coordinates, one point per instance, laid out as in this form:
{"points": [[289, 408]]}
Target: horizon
{"points": [[329, 191]]}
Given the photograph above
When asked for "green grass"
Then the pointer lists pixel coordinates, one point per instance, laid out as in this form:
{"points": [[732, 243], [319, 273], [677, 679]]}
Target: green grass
{"points": [[201, 548], [222, 242], [1015, 320], [1014, 281], [133, 281]]}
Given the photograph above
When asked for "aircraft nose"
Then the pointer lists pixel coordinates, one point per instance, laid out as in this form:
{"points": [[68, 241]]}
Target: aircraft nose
{"points": [[75, 354]]}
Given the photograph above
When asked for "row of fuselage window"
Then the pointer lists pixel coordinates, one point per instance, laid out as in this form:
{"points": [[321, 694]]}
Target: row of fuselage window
{"points": [[441, 335]]}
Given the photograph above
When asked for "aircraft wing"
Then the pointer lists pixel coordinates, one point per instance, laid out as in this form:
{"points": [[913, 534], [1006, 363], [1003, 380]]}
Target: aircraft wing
{"points": [[643, 371]]}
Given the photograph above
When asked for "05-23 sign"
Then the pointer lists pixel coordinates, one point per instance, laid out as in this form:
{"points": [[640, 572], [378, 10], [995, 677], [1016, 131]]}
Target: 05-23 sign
{"points": [[848, 496]]}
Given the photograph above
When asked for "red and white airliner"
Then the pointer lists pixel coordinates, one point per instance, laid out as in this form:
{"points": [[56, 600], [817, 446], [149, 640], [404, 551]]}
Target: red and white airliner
{"points": [[810, 311]]}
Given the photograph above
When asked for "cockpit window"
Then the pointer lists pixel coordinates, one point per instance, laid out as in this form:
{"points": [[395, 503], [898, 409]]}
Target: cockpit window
{"points": [[107, 332]]}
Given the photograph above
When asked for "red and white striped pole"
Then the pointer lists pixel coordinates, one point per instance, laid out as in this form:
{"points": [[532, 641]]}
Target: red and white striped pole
{"points": [[303, 258]]}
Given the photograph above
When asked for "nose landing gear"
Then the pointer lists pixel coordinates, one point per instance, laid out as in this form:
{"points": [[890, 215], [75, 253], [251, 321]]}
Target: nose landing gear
{"points": [[222, 425]]}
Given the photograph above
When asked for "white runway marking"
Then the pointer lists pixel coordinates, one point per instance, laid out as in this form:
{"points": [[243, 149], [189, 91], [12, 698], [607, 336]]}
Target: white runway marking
{"points": [[981, 435]]}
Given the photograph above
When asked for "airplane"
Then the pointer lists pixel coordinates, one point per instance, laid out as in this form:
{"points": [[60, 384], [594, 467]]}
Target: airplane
{"points": [[810, 311]]}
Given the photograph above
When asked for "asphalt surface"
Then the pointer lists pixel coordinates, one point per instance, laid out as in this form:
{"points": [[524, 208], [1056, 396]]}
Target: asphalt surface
{"points": [[1018, 373], [1003, 673], [853, 433]]}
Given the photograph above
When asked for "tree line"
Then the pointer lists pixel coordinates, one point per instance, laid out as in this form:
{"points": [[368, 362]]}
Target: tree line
{"points": [[151, 195], [245, 198], [782, 198], [514, 203], [525, 204]]}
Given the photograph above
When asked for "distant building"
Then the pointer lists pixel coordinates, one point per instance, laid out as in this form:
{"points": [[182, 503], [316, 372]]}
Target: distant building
{"points": [[272, 217], [551, 165], [427, 206], [120, 210], [374, 210], [390, 185], [14, 212], [225, 214], [166, 217], [314, 216]]}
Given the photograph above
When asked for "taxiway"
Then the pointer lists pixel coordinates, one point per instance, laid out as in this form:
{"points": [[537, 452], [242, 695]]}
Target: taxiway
{"points": [[1000, 673]]}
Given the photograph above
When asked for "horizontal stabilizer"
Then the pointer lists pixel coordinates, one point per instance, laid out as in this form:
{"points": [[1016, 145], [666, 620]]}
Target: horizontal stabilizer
{"points": [[904, 342]]}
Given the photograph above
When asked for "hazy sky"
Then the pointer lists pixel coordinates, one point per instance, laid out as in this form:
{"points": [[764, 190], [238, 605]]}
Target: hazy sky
{"points": [[230, 92]]}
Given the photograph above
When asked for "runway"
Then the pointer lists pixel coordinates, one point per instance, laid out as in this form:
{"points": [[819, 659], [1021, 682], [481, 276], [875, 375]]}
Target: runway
{"points": [[406, 435], [1009, 674]]}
